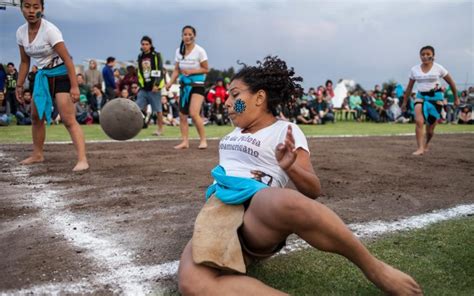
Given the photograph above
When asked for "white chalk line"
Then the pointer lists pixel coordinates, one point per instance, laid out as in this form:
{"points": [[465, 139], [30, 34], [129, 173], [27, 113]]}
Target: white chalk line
{"points": [[377, 228], [139, 275], [157, 139], [123, 276]]}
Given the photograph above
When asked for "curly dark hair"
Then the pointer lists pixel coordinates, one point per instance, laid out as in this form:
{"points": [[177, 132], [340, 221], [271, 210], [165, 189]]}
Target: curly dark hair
{"points": [[274, 77], [42, 3]]}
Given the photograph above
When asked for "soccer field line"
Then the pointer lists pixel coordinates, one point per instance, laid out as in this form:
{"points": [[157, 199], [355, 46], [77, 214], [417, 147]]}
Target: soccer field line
{"points": [[130, 279], [119, 271], [155, 139]]}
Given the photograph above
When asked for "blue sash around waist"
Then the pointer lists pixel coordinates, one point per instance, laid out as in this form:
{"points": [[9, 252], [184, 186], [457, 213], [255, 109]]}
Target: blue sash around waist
{"points": [[429, 105], [41, 95], [232, 190]]}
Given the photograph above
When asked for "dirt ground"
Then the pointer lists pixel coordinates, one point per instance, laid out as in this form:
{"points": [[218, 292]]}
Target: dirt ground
{"points": [[137, 204]]}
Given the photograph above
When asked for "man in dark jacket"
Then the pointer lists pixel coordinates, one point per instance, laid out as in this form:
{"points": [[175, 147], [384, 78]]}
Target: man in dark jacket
{"points": [[12, 77], [151, 81], [109, 79]]}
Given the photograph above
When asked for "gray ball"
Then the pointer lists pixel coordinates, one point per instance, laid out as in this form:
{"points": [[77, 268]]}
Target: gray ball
{"points": [[121, 119]]}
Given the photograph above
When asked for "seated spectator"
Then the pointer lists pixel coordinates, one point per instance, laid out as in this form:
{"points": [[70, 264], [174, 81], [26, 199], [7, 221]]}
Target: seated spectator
{"points": [[219, 113], [279, 113], [465, 116], [304, 114], [118, 81], [134, 89], [319, 91], [463, 101], [449, 107], [394, 109], [167, 115], [355, 104], [409, 114], [387, 103], [173, 101], [125, 94], [23, 113], [217, 90], [463, 98], [84, 89], [4, 118], [470, 96], [129, 79], [311, 96], [368, 105], [321, 111], [97, 101], [379, 106], [329, 89], [83, 115]]}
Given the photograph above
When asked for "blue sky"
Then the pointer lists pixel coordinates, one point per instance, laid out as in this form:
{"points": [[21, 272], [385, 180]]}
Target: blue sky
{"points": [[368, 41]]}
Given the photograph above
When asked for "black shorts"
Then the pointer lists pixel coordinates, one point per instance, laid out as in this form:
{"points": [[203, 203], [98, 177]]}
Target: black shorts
{"points": [[59, 84], [431, 119], [195, 90]]}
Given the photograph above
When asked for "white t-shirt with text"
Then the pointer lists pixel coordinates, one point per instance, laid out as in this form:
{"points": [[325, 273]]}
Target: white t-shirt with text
{"points": [[41, 48], [193, 60], [428, 81], [253, 155]]}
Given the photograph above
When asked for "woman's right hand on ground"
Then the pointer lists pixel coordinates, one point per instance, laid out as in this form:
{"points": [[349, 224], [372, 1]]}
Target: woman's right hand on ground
{"points": [[19, 94]]}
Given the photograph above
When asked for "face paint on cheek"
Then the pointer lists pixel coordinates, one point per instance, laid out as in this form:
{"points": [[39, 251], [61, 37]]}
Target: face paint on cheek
{"points": [[239, 106]]}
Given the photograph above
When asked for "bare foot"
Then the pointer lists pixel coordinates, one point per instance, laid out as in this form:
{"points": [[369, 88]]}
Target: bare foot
{"points": [[202, 145], [81, 166], [394, 282], [419, 152], [183, 145], [32, 159]]}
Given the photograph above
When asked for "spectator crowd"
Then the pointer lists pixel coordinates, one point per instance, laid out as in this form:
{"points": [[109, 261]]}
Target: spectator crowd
{"points": [[316, 106]]}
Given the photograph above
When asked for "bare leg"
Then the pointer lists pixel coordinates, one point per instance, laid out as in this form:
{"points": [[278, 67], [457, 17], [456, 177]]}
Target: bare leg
{"points": [[274, 213], [202, 280], [184, 127], [68, 116], [195, 113], [429, 135], [420, 135], [38, 130]]}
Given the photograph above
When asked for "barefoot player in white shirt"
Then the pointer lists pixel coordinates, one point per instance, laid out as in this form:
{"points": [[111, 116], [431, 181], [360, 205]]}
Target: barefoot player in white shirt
{"points": [[265, 153], [429, 98], [56, 80]]}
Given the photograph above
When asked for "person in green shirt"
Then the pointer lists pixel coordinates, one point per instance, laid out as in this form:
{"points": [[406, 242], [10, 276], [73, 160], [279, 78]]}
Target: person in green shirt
{"points": [[450, 109], [355, 104]]}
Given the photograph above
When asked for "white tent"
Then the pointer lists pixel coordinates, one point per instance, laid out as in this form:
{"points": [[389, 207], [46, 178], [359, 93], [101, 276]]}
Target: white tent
{"points": [[5, 3], [340, 92]]}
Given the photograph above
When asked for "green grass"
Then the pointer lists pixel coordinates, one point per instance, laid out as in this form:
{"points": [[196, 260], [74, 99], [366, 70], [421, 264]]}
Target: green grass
{"points": [[22, 134], [440, 258]]}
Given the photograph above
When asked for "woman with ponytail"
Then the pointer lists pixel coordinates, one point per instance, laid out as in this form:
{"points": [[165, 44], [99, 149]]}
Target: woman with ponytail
{"points": [[55, 80], [191, 67]]}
